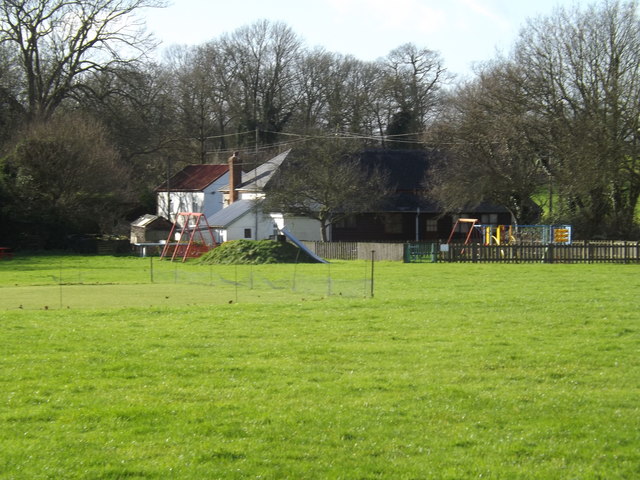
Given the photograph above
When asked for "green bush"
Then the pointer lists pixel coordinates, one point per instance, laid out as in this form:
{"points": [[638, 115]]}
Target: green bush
{"points": [[254, 252]]}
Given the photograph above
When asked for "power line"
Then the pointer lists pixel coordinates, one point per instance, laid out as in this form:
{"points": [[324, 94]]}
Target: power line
{"points": [[299, 138]]}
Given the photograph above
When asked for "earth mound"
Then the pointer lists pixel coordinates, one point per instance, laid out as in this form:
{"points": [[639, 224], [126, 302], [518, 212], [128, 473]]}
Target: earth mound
{"points": [[254, 252]]}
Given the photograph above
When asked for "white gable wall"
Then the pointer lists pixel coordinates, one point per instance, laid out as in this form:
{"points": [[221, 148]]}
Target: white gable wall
{"points": [[207, 201], [213, 197], [303, 228], [245, 228], [180, 202]]}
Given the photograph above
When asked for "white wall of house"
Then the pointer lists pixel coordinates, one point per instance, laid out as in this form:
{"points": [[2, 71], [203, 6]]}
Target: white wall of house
{"points": [[245, 228], [207, 201], [180, 202], [303, 228]]}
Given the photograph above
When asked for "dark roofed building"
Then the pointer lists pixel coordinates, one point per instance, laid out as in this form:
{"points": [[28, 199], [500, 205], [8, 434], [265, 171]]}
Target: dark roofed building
{"points": [[407, 214]]}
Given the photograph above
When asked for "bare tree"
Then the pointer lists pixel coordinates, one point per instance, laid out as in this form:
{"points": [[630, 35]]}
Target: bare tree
{"points": [[583, 79], [262, 60], [137, 107], [413, 80], [10, 107], [194, 84], [491, 144], [324, 180], [317, 72], [58, 43], [342, 92]]}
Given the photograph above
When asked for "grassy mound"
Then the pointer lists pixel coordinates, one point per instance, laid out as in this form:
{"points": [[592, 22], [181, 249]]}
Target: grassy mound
{"points": [[252, 252]]}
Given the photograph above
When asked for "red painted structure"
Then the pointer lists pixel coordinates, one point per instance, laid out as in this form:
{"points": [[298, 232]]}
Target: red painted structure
{"points": [[193, 223]]}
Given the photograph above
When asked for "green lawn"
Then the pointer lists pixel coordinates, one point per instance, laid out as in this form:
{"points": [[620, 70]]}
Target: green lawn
{"points": [[451, 371]]}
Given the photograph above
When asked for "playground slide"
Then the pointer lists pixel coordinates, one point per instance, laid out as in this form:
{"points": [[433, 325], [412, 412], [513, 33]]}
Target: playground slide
{"points": [[301, 245]]}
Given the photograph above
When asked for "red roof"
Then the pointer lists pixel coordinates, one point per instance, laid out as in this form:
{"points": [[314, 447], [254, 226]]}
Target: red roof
{"points": [[194, 178]]}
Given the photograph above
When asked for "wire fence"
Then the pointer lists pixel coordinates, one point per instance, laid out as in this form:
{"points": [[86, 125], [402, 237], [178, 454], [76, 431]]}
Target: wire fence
{"points": [[323, 280], [158, 282]]}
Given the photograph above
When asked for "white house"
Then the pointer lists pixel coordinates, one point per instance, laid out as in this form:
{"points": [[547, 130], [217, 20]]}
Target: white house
{"points": [[243, 216], [196, 189]]}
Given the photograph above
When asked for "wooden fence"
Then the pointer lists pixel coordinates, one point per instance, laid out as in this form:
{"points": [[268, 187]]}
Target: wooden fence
{"points": [[578, 252], [357, 250]]}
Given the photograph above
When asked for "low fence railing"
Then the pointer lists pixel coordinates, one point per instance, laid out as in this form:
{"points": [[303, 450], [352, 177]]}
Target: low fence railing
{"points": [[582, 252], [357, 250], [334, 250], [413, 252]]}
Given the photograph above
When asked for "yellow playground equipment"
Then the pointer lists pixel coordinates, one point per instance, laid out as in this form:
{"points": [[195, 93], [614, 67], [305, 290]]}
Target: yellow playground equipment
{"points": [[511, 234], [498, 234]]}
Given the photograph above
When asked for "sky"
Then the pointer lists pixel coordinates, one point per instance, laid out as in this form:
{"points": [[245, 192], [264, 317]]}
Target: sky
{"points": [[462, 31]]}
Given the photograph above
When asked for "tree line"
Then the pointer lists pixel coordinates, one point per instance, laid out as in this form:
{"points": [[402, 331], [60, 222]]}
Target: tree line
{"points": [[555, 124], [90, 122]]}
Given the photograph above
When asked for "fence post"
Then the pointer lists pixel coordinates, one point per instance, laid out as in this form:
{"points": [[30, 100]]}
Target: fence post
{"points": [[373, 257], [550, 253], [626, 253]]}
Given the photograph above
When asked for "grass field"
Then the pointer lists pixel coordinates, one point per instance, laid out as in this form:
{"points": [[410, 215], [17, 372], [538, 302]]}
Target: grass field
{"points": [[450, 371]]}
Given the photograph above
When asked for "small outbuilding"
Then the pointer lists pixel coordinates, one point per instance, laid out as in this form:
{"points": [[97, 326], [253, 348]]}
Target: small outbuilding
{"points": [[149, 232], [150, 229]]}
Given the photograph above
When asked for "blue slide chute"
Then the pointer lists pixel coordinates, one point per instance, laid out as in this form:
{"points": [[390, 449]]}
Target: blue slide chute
{"points": [[301, 245]]}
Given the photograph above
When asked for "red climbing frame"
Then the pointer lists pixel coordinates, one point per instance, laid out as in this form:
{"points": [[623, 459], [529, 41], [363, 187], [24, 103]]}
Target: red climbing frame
{"points": [[192, 223], [472, 221]]}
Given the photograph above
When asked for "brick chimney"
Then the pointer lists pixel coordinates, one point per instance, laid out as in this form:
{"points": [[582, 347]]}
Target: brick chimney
{"points": [[235, 177]]}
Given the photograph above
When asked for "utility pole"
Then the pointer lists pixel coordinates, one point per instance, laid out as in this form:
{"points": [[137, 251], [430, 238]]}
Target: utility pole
{"points": [[168, 187], [550, 195], [255, 185]]}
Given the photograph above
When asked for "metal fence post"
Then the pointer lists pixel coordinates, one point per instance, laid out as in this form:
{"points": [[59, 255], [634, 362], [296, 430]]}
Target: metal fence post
{"points": [[550, 253], [373, 258]]}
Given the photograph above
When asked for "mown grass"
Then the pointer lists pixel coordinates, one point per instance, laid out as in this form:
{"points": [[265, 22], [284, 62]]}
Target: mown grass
{"points": [[450, 371], [63, 282]]}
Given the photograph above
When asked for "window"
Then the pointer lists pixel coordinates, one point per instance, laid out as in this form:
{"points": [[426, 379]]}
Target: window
{"points": [[247, 233], [392, 223], [347, 222], [431, 225], [489, 219]]}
